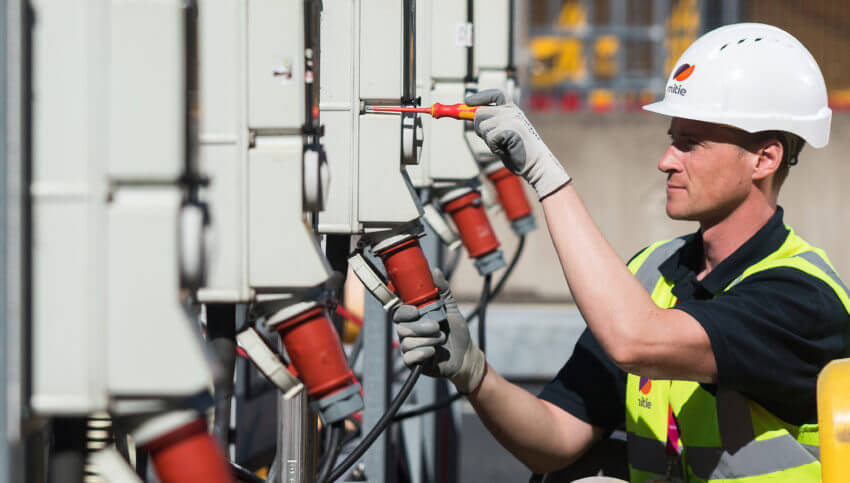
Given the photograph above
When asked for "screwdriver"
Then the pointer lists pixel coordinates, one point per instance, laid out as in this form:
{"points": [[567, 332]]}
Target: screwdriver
{"points": [[456, 111]]}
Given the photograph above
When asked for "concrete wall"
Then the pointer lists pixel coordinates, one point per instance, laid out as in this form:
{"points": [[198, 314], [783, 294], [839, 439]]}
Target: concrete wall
{"points": [[613, 160]]}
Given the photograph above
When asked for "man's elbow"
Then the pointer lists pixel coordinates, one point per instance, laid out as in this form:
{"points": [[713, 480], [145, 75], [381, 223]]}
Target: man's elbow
{"points": [[626, 353], [541, 467]]}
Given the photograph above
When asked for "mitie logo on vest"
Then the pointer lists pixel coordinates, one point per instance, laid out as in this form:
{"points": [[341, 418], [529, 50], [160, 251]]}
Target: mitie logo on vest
{"points": [[645, 386]]}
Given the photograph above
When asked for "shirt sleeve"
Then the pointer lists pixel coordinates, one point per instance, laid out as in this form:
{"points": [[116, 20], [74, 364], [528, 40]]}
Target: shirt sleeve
{"points": [[771, 335], [590, 386]]}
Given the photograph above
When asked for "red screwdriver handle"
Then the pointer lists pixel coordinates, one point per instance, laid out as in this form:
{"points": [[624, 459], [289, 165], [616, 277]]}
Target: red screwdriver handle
{"points": [[457, 111]]}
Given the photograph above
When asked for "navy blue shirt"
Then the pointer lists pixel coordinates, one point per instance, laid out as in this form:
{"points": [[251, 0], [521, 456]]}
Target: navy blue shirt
{"points": [[771, 334]]}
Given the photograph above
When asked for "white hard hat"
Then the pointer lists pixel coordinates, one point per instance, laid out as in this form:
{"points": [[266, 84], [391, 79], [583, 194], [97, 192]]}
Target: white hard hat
{"points": [[751, 76]]}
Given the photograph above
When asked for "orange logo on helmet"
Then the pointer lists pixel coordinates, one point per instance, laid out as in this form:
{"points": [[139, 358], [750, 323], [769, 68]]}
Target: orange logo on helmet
{"points": [[683, 72]]}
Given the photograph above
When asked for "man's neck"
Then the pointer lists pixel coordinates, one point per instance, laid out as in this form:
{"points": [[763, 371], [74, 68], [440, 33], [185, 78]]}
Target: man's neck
{"points": [[721, 239]]}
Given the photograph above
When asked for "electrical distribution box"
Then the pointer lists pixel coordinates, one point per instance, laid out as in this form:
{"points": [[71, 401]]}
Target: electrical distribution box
{"points": [[367, 57], [255, 78], [444, 43], [493, 45], [110, 163]]}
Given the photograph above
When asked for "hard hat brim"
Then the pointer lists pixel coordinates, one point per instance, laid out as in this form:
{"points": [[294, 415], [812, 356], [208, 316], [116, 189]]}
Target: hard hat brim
{"points": [[813, 129]]}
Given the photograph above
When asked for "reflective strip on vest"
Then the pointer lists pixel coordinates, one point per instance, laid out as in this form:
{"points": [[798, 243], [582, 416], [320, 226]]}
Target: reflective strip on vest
{"points": [[648, 273], [756, 458], [814, 259], [819, 262]]}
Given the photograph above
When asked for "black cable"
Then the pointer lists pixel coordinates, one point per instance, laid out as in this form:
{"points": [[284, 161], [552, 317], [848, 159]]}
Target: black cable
{"points": [[436, 406], [337, 430], [482, 308], [245, 475], [501, 283], [428, 408], [380, 426]]}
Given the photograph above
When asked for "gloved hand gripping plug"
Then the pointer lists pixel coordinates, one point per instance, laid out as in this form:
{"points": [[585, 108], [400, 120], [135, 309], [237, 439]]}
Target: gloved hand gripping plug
{"points": [[510, 135], [445, 349]]}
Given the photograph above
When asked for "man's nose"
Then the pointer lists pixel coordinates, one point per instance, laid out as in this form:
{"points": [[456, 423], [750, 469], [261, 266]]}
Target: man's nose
{"points": [[670, 161]]}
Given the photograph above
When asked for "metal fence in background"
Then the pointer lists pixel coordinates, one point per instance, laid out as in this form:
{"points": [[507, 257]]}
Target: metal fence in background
{"points": [[605, 55]]}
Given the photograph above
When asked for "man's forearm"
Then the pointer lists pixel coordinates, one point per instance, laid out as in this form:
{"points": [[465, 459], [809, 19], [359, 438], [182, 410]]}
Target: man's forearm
{"points": [[636, 334], [607, 294], [544, 437]]}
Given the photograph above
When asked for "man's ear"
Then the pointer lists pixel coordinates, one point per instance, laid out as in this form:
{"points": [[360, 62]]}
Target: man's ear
{"points": [[769, 158]]}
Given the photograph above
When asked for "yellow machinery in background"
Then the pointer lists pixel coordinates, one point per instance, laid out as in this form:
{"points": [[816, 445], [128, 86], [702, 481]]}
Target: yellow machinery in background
{"points": [[834, 421]]}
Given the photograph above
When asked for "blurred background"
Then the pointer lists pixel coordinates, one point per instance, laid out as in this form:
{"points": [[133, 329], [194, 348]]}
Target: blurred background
{"points": [[588, 66]]}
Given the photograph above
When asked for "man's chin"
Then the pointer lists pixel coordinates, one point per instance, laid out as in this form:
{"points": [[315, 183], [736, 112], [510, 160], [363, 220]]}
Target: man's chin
{"points": [[680, 214]]}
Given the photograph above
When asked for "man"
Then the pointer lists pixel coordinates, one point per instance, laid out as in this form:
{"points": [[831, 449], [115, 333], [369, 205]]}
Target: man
{"points": [[705, 348]]}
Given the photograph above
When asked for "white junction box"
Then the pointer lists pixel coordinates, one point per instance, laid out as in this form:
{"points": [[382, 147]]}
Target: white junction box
{"points": [[492, 34], [254, 78], [109, 153], [444, 46], [367, 58]]}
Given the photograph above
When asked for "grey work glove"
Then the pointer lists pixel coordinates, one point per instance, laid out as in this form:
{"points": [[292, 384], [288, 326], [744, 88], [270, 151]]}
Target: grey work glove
{"points": [[507, 132], [445, 348]]}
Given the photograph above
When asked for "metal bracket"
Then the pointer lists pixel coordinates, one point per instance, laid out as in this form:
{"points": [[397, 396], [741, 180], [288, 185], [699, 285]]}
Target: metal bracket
{"points": [[268, 362], [373, 282]]}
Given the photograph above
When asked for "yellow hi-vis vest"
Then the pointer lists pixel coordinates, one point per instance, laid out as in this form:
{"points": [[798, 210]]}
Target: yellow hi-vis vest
{"points": [[728, 437]]}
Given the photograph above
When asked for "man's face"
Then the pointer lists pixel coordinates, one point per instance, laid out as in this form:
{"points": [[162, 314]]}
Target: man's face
{"points": [[708, 175]]}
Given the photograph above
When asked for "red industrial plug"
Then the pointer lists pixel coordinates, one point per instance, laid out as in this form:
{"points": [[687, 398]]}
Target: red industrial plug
{"points": [[316, 357], [188, 454], [409, 273], [512, 197], [467, 211]]}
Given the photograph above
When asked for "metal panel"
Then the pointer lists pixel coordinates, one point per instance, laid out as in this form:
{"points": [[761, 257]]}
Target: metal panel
{"points": [[448, 38], [65, 322], [65, 192], [339, 43], [449, 157], [223, 147], [341, 209], [147, 89], [385, 193], [492, 35], [283, 252], [276, 64], [381, 49], [149, 332]]}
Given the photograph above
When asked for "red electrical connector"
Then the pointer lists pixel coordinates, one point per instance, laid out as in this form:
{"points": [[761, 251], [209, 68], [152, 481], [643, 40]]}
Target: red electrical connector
{"points": [[317, 359], [467, 211], [409, 273], [315, 352], [189, 454], [512, 197]]}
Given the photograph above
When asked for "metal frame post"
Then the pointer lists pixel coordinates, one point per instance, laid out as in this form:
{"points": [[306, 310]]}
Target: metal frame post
{"points": [[377, 382], [430, 440], [297, 439], [14, 244]]}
